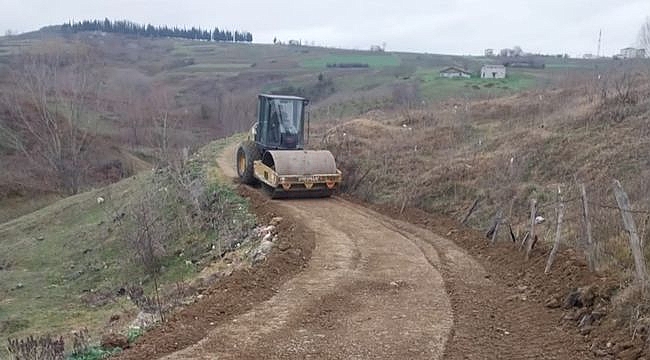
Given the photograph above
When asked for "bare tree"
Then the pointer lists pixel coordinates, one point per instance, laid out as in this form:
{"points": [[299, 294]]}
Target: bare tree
{"points": [[131, 102], [159, 112], [644, 35], [48, 103]]}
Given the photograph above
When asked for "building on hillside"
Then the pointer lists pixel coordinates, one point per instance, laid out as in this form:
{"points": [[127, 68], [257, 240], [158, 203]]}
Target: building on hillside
{"points": [[489, 52], [454, 72], [632, 53], [493, 72], [376, 48], [295, 42]]}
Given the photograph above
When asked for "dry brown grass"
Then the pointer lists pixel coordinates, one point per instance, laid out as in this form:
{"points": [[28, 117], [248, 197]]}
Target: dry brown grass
{"points": [[507, 151]]}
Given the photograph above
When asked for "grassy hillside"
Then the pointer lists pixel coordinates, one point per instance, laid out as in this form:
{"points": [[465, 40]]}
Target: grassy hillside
{"points": [[62, 267], [506, 151]]}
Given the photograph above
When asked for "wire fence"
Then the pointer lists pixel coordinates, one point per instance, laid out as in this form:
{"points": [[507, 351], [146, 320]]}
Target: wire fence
{"points": [[606, 232]]}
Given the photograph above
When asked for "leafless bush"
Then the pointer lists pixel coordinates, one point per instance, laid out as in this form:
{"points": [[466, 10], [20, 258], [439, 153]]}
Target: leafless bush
{"points": [[619, 97], [41, 348], [150, 225], [141, 301], [80, 341]]}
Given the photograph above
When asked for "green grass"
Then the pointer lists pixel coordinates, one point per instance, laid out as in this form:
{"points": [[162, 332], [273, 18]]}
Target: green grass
{"points": [[569, 65], [228, 67], [73, 249], [374, 61], [432, 86]]}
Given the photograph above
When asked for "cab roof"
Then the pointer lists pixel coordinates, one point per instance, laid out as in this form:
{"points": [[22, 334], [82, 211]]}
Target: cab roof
{"points": [[282, 97]]}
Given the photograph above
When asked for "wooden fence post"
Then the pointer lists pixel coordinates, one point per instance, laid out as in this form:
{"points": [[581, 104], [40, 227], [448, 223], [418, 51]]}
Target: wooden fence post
{"points": [[531, 238], [471, 211], [624, 205], [496, 226], [558, 231], [591, 251]]}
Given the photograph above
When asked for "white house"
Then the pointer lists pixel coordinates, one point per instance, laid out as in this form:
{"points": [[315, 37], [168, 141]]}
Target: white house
{"points": [[454, 72], [632, 53], [493, 72]]}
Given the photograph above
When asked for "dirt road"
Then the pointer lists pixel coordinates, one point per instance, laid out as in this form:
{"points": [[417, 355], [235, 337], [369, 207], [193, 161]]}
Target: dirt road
{"points": [[369, 292], [376, 288]]}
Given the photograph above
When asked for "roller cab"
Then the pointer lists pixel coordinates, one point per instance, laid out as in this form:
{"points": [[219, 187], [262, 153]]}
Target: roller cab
{"points": [[274, 154]]}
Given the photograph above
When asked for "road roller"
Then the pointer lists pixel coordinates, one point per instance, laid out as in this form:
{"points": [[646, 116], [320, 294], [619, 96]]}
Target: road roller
{"points": [[274, 154]]}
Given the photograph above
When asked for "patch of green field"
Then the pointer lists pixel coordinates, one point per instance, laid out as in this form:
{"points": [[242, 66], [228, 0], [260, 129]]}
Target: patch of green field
{"points": [[362, 81], [380, 60], [569, 65], [216, 67], [432, 86], [53, 260]]}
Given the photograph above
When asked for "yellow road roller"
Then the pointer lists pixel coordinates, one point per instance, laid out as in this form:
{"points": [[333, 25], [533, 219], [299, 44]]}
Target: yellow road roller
{"points": [[274, 153]]}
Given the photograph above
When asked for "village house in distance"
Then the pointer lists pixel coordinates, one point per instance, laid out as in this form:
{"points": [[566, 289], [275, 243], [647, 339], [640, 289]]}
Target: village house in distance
{"points": [[454, 72], [631, 53], [493, 72]]}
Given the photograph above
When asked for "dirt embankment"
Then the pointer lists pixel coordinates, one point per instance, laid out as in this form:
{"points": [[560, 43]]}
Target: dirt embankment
{"points": [[233, 296]]}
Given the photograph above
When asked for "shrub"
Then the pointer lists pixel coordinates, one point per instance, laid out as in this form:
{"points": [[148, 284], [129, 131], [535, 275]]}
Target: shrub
{"points": [[41, 348]]}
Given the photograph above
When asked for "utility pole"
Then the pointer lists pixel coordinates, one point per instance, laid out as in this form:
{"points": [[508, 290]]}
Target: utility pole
{"points": [[600, 37]]}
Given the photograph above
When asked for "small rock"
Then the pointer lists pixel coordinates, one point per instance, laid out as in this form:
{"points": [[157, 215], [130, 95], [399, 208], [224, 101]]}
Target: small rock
{"points": [[600, 353], [114, 317], [144, 320], [573, 299], [394, 284], [284, 246], [112, 341], [267, 237], [268, 229], [19, 286], [275, 221], [586, 330], [587, 320], [552, 303], [262, 251], [40, 238], [587, 295]]}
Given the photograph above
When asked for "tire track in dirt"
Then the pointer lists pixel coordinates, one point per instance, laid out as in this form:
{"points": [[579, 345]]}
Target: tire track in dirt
{"points": [[368, 292], [492, 321]]}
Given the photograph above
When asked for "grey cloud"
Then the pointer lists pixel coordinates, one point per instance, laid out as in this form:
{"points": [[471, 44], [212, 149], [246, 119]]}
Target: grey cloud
{"points": [[457, 27]]}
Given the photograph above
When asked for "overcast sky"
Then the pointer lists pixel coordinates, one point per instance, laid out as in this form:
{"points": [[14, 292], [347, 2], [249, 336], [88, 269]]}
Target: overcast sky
{"points": [[434, 26]]}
